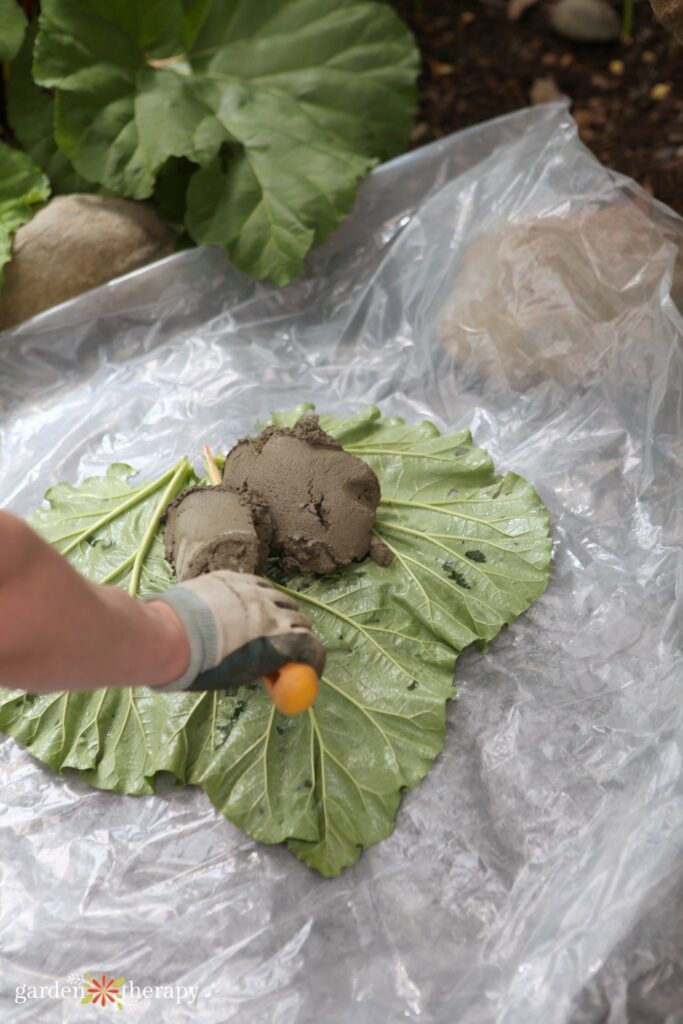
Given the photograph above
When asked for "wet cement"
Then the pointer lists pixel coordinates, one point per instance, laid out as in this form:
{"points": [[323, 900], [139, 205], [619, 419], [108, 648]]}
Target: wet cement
{"points": [[209, 528], [292, 493], [322, 500]]}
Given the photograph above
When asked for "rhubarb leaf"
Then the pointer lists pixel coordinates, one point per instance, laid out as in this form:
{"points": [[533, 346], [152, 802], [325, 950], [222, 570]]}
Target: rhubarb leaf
{"points": [[284, 106], [12, 28], [472, 551]]}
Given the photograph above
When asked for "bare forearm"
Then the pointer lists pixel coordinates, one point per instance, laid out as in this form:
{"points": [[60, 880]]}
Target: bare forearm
{"points": [[60, 631]]}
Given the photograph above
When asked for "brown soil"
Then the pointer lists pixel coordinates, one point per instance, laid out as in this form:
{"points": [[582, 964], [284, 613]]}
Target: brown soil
{"points": [[478, 64]]}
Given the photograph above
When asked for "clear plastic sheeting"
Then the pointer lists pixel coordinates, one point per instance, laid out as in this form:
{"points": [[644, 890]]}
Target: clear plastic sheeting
{"points": [[501, 280]]}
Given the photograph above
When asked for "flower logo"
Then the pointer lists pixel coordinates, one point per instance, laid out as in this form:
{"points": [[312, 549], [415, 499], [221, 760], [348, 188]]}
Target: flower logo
{"points": [[103, 991]]}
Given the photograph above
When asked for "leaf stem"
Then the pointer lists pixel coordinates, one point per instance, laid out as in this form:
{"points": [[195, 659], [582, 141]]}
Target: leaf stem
{"points": [[211, 467], [119, 570], [402, 454], [134, 499], [628, 21], [179, 478]]}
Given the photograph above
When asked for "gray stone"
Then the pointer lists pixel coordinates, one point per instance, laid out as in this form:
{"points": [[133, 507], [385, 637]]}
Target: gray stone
{"points": [[585, 21], [74, 243]]}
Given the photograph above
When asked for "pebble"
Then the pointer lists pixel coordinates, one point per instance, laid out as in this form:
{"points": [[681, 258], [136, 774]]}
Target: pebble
{"points": [[660, 91], [585, 21], [544, 90]]}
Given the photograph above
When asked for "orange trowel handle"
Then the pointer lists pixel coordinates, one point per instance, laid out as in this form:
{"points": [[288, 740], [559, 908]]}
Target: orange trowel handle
{"points": [[293, 688]]}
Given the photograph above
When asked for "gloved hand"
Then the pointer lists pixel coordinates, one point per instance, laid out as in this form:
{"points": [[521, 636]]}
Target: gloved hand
{"points": [[240, 628]]}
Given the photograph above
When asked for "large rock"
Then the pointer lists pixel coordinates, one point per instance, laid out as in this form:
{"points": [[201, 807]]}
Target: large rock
{"points": [[586, 21], [75, 243]]}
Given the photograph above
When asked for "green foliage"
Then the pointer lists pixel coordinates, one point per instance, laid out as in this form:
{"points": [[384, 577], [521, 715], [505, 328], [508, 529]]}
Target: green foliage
{"points": [[12, 28], [22, 185], [251, 123], [471, 553], [30, 111]]}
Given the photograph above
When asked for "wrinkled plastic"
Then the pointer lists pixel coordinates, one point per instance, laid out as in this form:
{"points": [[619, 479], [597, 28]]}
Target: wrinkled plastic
{"points": [[502, 280]]}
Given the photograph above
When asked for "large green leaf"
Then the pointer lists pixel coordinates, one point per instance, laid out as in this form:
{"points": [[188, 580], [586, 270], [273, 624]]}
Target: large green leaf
{"points": [[30, 111], [284, 104], [22, 185], [472, 551], [12, 28]]}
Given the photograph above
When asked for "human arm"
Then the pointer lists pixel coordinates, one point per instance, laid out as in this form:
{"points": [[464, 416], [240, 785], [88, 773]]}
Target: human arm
{"points": [[60, 631]]}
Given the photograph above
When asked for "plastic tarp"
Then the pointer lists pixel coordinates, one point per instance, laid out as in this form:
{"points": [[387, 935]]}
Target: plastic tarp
{"points": [[500, 279]]}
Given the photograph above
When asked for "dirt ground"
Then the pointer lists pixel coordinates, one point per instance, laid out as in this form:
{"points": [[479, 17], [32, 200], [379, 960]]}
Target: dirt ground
{"points": [[626, 97]]}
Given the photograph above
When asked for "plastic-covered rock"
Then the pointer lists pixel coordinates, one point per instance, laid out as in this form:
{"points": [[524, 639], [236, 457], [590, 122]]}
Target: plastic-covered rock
{"points": [[536, 300]]}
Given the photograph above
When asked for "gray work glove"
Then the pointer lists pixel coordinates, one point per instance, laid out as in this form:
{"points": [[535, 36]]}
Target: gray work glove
{"points": [[240, 628]]}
